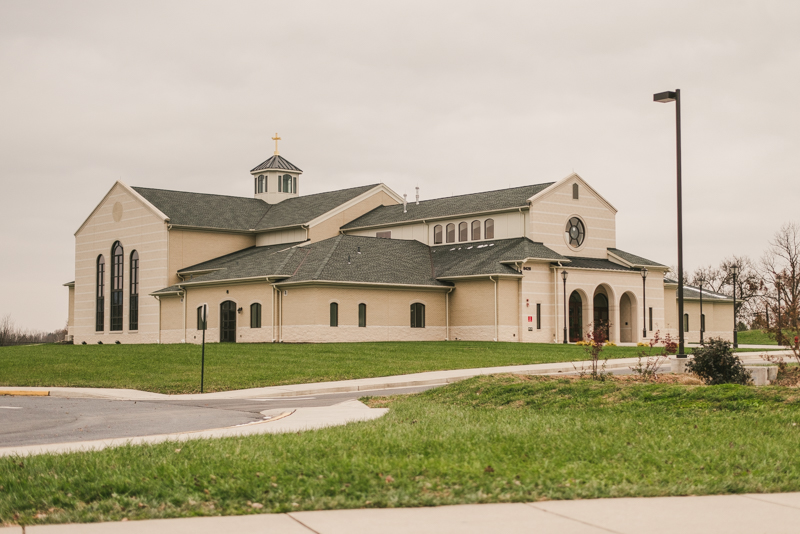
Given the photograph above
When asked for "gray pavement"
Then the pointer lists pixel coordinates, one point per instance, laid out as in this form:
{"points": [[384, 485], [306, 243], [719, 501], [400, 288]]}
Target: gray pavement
{"points": [[728, 514]]}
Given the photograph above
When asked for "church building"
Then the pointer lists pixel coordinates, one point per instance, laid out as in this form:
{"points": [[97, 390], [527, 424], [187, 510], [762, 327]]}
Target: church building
{"points": [[537, 263]]}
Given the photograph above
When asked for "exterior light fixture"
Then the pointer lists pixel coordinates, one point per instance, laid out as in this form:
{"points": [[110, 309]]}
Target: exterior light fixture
{"points": [[564, 275], [675, 96]]}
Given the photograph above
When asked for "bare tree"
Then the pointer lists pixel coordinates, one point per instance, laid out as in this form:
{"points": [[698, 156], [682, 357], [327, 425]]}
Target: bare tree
{"points": [[749, 284], [6, 330], [780, 269]]}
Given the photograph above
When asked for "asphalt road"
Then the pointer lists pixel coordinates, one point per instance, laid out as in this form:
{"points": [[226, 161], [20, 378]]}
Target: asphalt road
{"points": [[42, 420]]}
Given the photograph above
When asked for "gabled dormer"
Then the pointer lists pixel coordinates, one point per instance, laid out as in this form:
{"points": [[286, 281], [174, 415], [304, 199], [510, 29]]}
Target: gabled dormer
{"points": [[276, 179]]}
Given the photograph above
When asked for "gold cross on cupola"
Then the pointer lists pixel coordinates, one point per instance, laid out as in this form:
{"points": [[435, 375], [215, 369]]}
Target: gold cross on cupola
{"points": [[276, 139]]}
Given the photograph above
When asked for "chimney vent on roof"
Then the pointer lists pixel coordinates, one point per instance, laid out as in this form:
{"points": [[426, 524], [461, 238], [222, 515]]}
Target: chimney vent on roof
{"points": [[405, 203], [417, 188], [348, 259]]}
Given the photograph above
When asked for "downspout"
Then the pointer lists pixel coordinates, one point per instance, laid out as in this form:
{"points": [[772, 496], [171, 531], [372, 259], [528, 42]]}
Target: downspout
{"points": [[272, 311], [159, 318], [280, 316], [521, 313], [495, 308], [555, 298], [184, 313], [447, 314]]}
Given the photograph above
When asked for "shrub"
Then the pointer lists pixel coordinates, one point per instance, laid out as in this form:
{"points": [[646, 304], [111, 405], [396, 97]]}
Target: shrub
{"points": [[715, 363], [610, 344]]}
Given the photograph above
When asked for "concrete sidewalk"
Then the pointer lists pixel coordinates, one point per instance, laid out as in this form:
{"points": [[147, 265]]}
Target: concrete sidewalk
{"points": [[361, 384], [728, 514]]}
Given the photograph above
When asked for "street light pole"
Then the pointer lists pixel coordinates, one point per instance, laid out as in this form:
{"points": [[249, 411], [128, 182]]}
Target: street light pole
{"points": [[675, 96], [702, 321], [778, 329], [564, 277], [644, 303], [735, 271]]}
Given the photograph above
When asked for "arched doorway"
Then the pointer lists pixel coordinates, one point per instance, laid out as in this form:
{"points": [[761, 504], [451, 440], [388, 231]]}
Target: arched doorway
{"points": [[625, 319], [600, 320], [575, 317], [227, 322]]}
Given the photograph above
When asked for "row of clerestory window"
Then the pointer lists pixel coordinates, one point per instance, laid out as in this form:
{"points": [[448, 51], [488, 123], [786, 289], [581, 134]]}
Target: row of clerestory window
{"points": [[117, 295], [466, 232], [286, 184], [417, 315]]}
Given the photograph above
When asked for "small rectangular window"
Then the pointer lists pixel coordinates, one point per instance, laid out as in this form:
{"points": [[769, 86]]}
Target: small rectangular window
{"points": [[685, 322], [651, 319], [255, 315], [334, 314], [362, 315], [386, 235], [538, 316], [201, 325], [575, 191]]}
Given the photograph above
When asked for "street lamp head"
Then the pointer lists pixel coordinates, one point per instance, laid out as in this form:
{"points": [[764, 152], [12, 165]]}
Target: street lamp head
{"points": [[735, 269], [666, 96], [564, 275], [644, 272]]}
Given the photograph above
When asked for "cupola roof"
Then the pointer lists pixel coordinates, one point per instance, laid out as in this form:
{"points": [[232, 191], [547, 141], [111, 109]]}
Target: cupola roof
{"points": [[277, 162]]}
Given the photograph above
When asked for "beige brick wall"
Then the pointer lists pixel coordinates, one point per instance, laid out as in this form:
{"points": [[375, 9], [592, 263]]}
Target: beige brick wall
{"points": [[190, 247], [550, 213], [71, 312], [330, 227], [306, 314], [719, 320], [472, 311], [243, 295], [138, 228]]}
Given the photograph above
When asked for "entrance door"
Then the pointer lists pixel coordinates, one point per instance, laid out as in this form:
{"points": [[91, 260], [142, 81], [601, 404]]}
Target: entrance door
{"points": [[601, 314], [227, 327], [575, 317]]}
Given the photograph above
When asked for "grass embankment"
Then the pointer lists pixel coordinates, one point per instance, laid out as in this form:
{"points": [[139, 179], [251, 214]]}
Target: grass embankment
{"points": [[755, 337], [176, 368], [488, 439]]}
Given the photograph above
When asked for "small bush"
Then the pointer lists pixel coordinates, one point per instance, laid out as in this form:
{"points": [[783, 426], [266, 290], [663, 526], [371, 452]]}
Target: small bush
{"points": [[715, 364], [610, 344]]}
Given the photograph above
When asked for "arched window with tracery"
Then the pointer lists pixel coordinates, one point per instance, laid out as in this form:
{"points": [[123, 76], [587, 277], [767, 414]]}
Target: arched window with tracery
{"points": [[451, 233], [100, 305], [133, 299], [476, 230], [488, 229], [437, 234], [117, 277]]}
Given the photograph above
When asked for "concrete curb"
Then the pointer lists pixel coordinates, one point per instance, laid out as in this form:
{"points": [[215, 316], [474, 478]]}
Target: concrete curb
{"points": [[429, 378]]}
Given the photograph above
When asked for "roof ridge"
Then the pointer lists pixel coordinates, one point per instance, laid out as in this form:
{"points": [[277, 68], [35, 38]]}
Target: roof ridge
{"points": [[479, 193], [137, 187]]}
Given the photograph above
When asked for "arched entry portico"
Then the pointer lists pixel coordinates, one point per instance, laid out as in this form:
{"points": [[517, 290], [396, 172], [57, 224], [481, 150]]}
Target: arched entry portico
{"points": [[575, 325], [628, 323], [604, 312]]}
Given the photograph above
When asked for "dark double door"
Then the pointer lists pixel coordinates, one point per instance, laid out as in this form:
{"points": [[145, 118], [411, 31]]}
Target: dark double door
{"points": [[227, 326]]}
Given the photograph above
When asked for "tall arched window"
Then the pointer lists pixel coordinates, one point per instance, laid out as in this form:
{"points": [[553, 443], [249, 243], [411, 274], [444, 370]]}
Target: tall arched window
{"points": [[476, 230], [437, 234], [462, 231], [362, 315], [287, 183], [685, 322], [133, 312], [418, 315], [451, 233], [255, 315], [117, 265], [100, 305], [488, 229], [334, 314]]}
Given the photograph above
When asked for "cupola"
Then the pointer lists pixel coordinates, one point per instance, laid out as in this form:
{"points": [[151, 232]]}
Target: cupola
{"points": [[276, 179]]}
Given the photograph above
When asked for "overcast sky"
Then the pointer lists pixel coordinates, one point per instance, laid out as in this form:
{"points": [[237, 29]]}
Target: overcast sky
{"points": [[456, 97]]}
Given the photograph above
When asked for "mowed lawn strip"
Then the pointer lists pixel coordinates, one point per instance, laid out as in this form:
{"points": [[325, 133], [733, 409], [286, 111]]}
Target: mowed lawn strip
{"points": [[755, 337], [487, 439], [176, 368]]}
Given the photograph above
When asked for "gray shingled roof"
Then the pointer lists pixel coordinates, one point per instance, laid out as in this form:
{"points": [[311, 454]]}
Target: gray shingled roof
{"points": [[300, 210], [633, 259], [514, 197], [596, 263], [487, 257], [693, 292], [202, 210], [272, 260], [277, 162]]}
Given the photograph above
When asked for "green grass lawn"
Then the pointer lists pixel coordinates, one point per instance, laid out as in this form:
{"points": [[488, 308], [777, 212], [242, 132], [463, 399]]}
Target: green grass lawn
{"points": [[755, 337], [176, 368], [487, 439]]}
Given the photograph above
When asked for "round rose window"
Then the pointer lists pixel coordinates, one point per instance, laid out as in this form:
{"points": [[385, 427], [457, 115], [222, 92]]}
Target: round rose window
{"points": [[575, 232]]}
